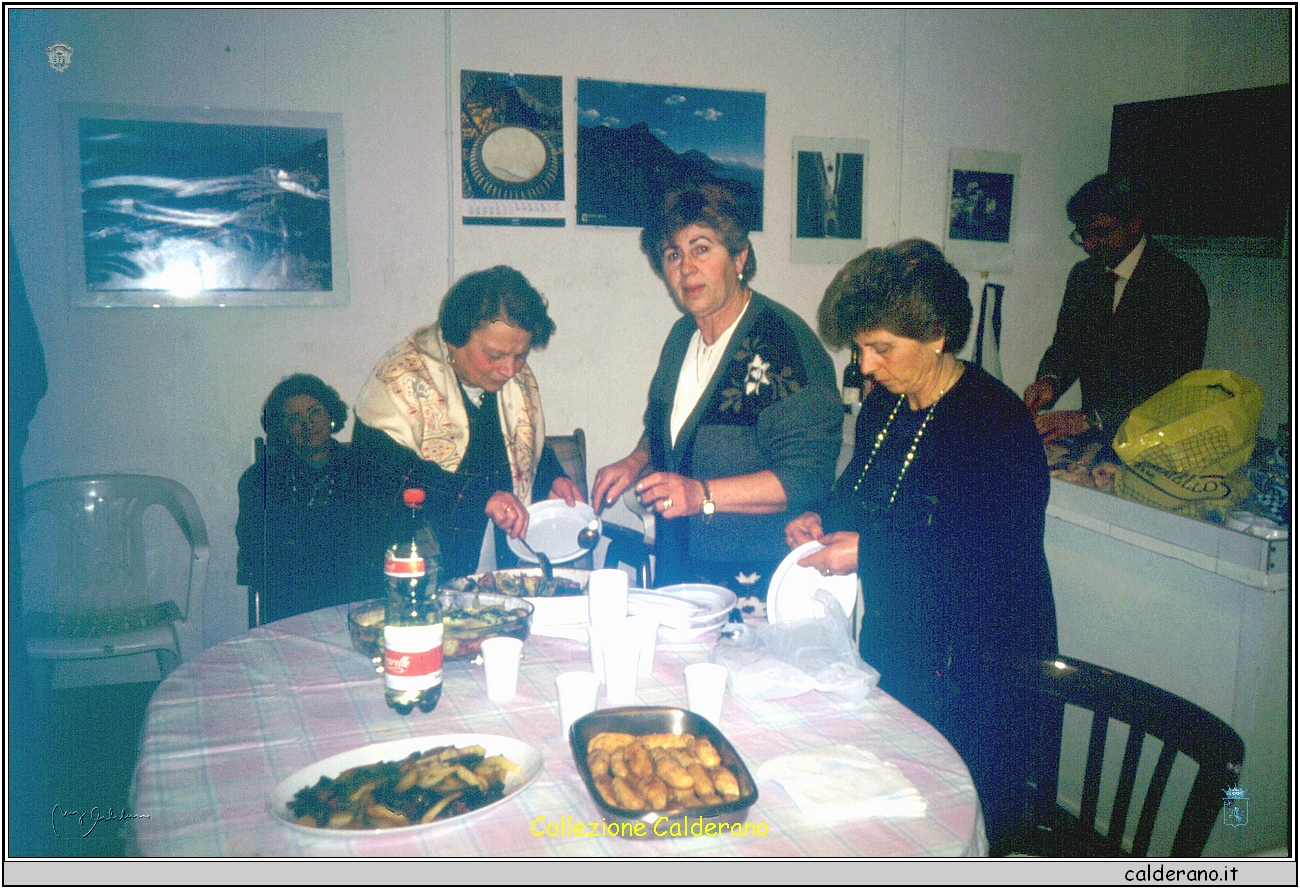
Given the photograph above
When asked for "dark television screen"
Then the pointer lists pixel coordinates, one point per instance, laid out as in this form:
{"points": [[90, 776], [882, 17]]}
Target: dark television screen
{"points": [[1212, 171]]}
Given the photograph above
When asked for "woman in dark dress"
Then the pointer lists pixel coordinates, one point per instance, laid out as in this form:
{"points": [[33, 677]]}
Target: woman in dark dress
{"points": [[941, 512], [297, 525]]}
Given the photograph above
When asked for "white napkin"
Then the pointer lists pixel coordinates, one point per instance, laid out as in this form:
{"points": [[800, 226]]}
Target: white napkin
{"points": [[561, 616], [843, 782]]}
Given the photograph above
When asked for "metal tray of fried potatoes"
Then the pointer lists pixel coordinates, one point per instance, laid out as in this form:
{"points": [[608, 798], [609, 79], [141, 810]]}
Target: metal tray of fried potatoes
{"points": [[668, 820]]}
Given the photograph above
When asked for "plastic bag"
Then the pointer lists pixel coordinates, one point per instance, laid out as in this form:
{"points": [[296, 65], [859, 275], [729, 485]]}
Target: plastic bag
{"points": [[1183, 448], [770, 661]]}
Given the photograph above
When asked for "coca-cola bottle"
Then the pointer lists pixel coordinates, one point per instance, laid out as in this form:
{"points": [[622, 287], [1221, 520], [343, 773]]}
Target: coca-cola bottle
{"points": [[413, 615]]}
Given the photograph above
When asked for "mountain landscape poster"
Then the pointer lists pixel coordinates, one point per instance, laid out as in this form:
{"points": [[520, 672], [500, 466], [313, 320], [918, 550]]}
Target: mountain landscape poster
{"points": [[638, 141]]}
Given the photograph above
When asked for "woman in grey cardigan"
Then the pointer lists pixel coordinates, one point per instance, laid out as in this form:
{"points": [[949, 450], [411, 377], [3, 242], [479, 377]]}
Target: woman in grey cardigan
{"points": [[743, 424]]}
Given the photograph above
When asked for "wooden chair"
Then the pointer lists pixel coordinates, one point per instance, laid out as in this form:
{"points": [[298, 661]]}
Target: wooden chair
{"points": [[104, 575], [572, 453], [1116, 704]]}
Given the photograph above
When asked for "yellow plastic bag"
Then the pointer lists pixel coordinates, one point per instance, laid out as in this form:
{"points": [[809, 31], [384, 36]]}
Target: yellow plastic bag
{"points": [[1182, 448]]}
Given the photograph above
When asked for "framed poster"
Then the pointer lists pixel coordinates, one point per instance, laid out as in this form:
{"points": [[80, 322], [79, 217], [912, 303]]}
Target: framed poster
{"points": [[202, 207], [830, 207], [637, 141], [512, 149], [980, 225]]}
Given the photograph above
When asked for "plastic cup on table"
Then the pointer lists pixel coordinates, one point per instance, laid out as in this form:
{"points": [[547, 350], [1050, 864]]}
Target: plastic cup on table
{"points": [[621, 655], [577, 692], [706, 685], [594, 635], [501, 666], [606, 595], [647, 633]]}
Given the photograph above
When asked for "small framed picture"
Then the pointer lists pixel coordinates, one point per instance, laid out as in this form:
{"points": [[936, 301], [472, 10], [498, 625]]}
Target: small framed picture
{"points": [[830, 200], [981, 209]]}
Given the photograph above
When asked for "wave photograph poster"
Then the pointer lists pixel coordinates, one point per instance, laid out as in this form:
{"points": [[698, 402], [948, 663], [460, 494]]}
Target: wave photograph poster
{"points": [[196, 207], [638, 141]]}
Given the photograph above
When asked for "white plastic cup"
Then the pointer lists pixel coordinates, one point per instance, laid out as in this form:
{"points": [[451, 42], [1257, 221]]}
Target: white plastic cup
{"points": [[621, 654], [501, 666], [577, 693], [706, 684], [594, 643], [647, 632], [606, 595]]}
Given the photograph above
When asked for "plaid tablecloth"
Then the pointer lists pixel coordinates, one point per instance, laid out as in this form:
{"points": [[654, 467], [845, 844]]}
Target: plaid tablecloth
{"points": [[230, 724]]}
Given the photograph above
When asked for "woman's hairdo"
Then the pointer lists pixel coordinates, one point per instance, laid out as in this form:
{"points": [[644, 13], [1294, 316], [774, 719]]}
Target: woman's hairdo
{"points": [[708, 204], [498, 293], [907, 288], [291, 387]]}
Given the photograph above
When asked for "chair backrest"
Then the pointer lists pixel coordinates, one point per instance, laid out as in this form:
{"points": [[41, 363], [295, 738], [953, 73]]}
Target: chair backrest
{"points": [[1179, 725], [93, 545], [572, 453]]}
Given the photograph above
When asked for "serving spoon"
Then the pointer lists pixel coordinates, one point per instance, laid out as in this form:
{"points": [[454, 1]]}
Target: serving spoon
{"points": [[547, 571], [590, 535]]}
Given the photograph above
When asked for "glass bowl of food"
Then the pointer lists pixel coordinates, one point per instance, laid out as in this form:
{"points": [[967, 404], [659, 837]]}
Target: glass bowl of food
{"points": [[470, 616]]}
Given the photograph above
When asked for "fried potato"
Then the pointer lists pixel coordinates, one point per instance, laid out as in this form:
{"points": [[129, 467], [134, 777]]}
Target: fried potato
{"points": [[627, 797], [703, 783], [609, 741], [656, 792], [598, 763], [618, 763], [706, 753], [638, 761], [725, 782], [605, 785], [666, 741], [671, 771]]}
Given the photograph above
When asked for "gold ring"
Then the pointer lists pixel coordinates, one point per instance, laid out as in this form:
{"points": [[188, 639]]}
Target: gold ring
{"points": [[668, 504], [826, 572]]}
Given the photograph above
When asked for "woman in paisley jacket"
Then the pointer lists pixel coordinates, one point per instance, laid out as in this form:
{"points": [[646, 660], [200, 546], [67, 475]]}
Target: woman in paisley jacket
{"points": [[743, 423]]}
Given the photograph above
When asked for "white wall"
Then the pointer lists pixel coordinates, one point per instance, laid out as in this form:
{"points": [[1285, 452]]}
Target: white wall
{"points": [[177, 392]]}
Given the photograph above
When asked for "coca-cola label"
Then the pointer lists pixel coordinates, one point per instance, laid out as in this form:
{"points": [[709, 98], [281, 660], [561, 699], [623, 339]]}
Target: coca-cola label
{"points": [[412, 657], [395, 567]]}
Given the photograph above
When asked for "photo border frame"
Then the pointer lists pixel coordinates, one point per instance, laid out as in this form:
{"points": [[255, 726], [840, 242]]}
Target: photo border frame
{"points": [[70, 161], [983, 257], [827, 250]]}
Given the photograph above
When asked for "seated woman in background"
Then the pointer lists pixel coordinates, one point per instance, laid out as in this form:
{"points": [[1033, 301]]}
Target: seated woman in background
{"points": [[743, 423], [297, 527], [941, 513], [454, 409]]}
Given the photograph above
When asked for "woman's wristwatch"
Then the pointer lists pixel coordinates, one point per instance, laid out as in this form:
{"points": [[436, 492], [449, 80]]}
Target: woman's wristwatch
{"points": [[708, 508]]}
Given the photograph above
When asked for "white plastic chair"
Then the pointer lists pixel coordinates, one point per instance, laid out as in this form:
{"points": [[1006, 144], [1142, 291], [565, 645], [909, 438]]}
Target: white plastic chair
{"points": [[101, 573]]}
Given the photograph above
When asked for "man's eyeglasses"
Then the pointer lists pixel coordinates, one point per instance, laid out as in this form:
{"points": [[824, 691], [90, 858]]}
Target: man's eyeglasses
{"points": [[1093, 232]]}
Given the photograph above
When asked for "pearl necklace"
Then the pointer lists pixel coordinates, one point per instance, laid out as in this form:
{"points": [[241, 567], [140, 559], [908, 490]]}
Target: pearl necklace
{"points": [[911, 451]]}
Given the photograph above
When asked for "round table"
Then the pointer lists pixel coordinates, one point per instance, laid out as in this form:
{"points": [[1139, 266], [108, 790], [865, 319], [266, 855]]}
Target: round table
{"points": [[228, 725]]}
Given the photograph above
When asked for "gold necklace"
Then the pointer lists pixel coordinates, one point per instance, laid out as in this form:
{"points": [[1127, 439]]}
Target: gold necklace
{"points": [[911, 451]]}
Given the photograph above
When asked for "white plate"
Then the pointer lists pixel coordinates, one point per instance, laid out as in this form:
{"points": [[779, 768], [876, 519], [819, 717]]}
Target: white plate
{"points": [[553, 527], [523, 755], [690, 634], [790, 594], [689, 607]]}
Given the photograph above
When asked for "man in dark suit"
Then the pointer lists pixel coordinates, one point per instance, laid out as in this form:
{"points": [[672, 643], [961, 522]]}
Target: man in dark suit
{"points": [[1133, 320]]}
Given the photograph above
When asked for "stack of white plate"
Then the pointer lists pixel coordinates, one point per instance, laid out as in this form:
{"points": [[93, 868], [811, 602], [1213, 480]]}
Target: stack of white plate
{"points": [[685, 610], [791, 594]]}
